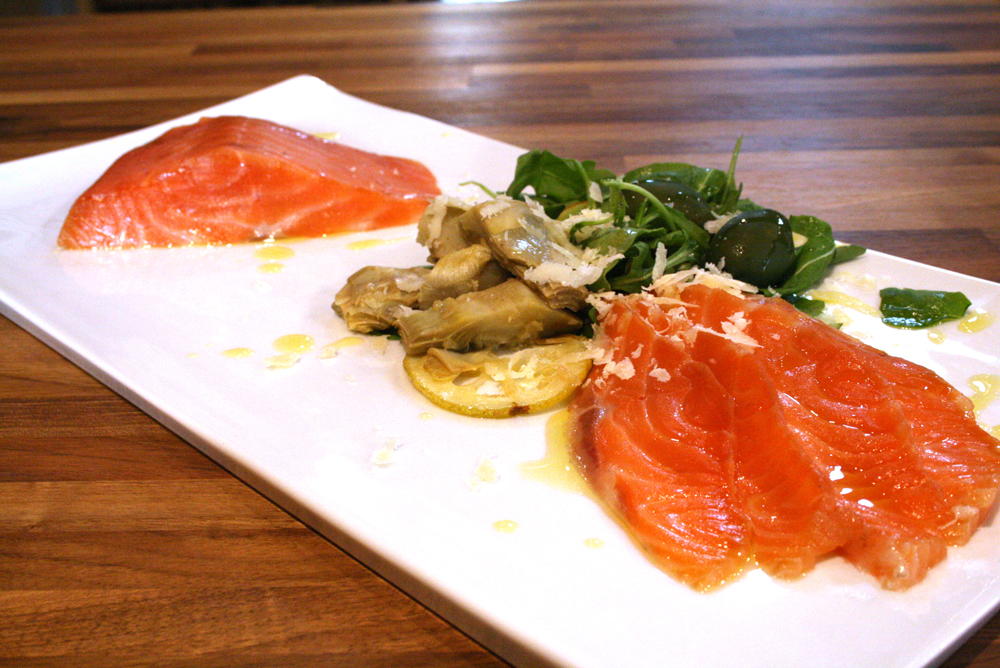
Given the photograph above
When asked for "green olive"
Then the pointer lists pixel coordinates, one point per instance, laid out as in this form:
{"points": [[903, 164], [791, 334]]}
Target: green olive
{"points": [[684, 199], [755, 247]]}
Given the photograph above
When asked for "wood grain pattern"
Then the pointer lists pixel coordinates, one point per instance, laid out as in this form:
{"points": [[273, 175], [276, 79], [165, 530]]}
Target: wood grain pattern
{"points": [[122, 545]]}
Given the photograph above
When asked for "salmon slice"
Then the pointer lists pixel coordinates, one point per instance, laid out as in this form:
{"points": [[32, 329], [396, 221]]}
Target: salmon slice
{"points": [[793, 510], [653, 438], [824, 445], [232, 179], [954, 451], [857, 434]]}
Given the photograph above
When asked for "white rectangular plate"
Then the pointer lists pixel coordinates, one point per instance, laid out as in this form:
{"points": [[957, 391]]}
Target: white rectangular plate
{"points": [[347, 445]]}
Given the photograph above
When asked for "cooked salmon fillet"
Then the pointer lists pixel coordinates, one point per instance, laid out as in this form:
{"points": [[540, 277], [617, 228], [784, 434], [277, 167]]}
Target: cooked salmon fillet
{"points": [[822, 445], [232, 179]]}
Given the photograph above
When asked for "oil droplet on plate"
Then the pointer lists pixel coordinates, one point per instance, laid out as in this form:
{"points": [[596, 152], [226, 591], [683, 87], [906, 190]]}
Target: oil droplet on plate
{"points": [[282, 361], [193, 356], [557, 468], [844, 299], [294, 343], [272, 252], [593, 543], [976, 321], [365, 244], [936, 336], [426, 416], [995, 431], [485, 473], [237, 353], [271, 268], [505, 526], [333, 349], [985, 388]]}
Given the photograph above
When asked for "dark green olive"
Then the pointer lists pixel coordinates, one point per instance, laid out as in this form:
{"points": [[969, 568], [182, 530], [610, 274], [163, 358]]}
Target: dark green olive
{"points": [[755, 247], [684, 199]]}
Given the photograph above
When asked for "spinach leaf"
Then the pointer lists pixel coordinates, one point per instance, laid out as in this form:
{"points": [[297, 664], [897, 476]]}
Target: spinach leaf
{"points": [[846, 252], [812, 258], [556, 181], [809, 306], [913, 309]]}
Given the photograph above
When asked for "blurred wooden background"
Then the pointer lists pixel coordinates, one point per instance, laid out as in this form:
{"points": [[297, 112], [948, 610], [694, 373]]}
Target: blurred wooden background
{"points": [[122, 545], [60, 7]]}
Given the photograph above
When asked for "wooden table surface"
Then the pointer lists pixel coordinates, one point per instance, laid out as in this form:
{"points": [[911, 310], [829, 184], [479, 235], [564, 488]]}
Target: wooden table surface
{"points": [[120, 544]]}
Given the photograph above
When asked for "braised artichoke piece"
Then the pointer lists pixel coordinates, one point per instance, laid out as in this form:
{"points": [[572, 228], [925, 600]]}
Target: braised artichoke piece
{"points": [[467, 270], [533, 248], [491, 385], [374, 297], [439, 229], [505, 316]]}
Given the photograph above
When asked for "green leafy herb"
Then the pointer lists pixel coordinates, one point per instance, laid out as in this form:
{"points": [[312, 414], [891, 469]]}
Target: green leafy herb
{"points": [[846, 252], [913, 309], [717, 187], [653, 230], [674, 219], [813, 257], [556, 182], [809, 306]]}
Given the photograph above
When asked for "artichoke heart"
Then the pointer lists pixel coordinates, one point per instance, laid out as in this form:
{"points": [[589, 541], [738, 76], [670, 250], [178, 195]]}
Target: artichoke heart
{"points": [[534, 248], [439, 228], [374, 297], [505, 316], [467, 270], [490, 385]]}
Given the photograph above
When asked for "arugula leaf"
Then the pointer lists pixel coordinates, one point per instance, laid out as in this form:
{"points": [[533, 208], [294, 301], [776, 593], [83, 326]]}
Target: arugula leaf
{"points": [[914, 309], [673, 218], [718, 188]]}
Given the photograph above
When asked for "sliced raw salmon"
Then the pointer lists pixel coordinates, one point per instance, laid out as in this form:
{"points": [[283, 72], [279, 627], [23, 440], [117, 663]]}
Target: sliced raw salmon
{"points": [[954, 450], [795, 515], [653, 433], [855, 432], [232, 179], [821, 444]]}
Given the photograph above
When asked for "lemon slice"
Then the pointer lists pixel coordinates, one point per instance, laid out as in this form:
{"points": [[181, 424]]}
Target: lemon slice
{"points": [[490, 385]]}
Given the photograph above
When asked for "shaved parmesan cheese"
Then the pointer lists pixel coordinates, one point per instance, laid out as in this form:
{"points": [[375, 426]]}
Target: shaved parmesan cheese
{"points": [[659, 374], [660, 261], [492, 208]]}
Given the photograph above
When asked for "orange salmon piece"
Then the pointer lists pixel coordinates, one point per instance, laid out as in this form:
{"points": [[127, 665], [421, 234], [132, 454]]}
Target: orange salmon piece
{"points": [[655, 446], [849, 422], [817, 443], [233, 179], [793, 509], [954, 450]]}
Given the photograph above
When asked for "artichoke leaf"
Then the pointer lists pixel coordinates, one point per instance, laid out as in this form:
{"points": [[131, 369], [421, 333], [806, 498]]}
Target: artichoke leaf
{"points": [[467, 270], [505, 316], [374, 297]]}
